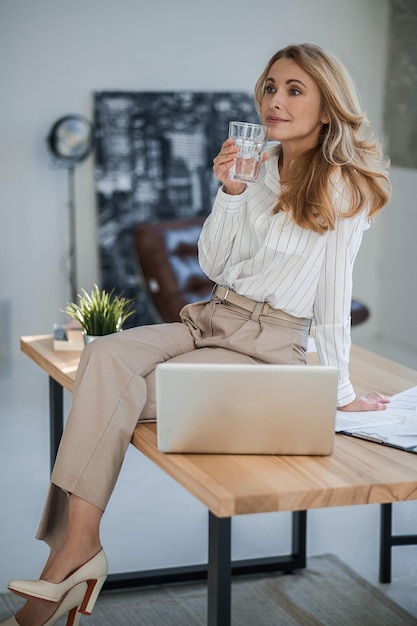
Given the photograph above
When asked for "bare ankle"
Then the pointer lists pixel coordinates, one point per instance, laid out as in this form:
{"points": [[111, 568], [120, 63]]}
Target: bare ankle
{"points": [[69, 558]]}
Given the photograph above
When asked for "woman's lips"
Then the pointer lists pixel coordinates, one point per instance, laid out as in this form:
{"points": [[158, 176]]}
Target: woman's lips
{"points": [[276, 120]]}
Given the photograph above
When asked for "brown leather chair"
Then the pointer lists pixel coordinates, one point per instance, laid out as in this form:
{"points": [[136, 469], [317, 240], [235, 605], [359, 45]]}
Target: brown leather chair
{"points": [[168, 268], [169, 272]]}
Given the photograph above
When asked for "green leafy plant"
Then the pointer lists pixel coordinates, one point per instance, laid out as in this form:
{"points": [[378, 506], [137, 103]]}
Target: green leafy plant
{"points": [[99, 312]]}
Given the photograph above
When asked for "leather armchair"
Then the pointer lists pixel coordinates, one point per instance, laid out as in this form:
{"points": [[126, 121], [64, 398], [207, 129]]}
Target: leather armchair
{"points": [[168, 268]]}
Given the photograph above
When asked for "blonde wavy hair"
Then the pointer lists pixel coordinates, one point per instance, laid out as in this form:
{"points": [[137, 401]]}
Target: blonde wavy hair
{"points": [[345, 143]]}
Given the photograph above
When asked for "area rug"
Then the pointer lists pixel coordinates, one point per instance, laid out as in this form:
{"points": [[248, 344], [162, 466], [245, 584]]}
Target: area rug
{"points": [[327, 593]]}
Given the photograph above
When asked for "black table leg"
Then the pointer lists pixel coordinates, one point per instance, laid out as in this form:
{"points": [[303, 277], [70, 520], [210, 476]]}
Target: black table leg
{"points": [[56, 417], [387, 541], [219, 575], [299, 539], [385, 544], [221, 567]]}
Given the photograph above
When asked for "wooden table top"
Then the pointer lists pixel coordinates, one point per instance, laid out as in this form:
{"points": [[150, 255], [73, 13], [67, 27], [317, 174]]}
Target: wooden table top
{"points": [[358, 472], [61, 366]]}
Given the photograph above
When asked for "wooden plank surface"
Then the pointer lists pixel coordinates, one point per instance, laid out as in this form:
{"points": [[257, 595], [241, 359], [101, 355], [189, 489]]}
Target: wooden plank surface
{"points": [[60, 365], [358, 472]]}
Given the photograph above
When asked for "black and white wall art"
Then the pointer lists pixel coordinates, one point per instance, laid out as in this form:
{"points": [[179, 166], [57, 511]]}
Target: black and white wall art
{"points": [[154, 159]]}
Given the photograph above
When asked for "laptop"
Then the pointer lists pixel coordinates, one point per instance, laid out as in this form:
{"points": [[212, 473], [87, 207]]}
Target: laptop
{"points": [[245, 408]]}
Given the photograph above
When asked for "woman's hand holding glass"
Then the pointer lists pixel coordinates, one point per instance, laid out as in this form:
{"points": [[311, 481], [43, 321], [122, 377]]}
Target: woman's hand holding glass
{"points": [[222, 165]]}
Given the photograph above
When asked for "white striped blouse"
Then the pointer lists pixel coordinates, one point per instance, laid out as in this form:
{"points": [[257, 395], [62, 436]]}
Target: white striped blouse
{"points": [[268, 258]]}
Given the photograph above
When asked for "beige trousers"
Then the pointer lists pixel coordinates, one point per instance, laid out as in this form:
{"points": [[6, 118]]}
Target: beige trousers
{"points": [[115, 388]]}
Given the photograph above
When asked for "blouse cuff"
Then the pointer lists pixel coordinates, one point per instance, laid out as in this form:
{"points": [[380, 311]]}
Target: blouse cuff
{"points": [[227, 202], [345, 393]]}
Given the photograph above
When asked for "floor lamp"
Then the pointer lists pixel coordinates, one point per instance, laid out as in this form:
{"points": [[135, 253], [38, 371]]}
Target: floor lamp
{"points": [[71, 140]]}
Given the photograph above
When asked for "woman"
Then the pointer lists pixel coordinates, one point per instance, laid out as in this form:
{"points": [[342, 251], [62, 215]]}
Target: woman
{"points": [[282, 252]]}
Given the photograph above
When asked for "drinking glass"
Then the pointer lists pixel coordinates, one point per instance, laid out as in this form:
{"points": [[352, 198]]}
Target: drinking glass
{"points": [[251, 139]]}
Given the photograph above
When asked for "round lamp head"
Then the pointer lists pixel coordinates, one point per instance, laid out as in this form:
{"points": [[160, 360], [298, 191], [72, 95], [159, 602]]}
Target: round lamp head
{"points": [[71, 139]]}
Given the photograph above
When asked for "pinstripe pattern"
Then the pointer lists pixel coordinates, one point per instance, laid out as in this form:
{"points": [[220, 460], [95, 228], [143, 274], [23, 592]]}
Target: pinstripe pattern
{"points": [[268, 258]]}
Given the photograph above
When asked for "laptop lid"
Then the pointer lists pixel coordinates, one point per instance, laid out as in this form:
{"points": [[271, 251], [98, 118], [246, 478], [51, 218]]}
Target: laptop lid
{"points": [[245, 408]]}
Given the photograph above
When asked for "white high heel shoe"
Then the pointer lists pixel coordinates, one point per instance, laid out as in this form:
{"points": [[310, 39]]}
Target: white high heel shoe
{"points": [[71, 604], [94, 573]]}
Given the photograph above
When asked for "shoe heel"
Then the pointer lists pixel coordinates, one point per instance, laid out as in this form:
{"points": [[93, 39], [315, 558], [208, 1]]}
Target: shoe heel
{"points": [[91, 595], [73, 617]]}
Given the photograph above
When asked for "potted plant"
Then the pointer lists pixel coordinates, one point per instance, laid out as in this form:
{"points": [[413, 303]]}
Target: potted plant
{"points": [[99, 312]]}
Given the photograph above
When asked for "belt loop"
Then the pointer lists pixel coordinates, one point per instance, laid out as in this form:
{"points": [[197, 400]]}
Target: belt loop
{"points": [[257, 311], [265, 308]]}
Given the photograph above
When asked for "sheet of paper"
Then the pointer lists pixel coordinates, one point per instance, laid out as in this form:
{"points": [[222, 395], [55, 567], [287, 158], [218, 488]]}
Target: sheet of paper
{"points": [[397, 425]]}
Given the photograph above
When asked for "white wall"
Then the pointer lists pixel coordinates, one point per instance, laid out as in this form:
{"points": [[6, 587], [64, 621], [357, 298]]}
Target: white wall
{"points": [[53, 56], [398, 268]]}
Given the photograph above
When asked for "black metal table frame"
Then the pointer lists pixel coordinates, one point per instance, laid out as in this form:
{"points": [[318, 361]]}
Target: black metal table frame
{"points": [[388, 540], [219, 569]]}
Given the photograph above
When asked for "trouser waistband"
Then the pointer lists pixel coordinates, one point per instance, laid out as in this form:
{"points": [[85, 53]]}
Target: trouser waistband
{"points": [[228, 295]]}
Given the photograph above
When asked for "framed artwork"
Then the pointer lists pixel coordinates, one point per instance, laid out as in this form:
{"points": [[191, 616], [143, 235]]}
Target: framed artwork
{"points": [[154, 159]]}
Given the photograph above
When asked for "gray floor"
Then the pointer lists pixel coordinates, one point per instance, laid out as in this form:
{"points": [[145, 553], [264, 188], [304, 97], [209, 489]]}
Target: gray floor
{"points": [[151, 522]]}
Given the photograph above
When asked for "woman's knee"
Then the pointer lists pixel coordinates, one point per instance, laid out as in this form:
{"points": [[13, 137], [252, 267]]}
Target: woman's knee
{"points": [[100, 346]]}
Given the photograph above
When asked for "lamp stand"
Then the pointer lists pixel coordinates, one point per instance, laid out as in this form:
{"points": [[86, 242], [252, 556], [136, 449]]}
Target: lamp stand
{"points": [[72, 254]]}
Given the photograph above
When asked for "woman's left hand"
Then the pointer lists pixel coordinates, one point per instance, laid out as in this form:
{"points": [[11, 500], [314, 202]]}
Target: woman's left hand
{"points": [[367, 402]]}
